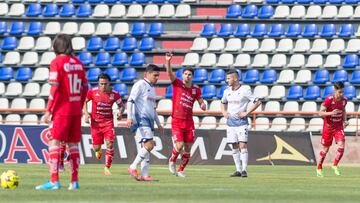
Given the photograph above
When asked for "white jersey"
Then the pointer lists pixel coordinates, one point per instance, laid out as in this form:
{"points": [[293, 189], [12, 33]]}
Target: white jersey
{"points": [[237, 101], [143, 97]]}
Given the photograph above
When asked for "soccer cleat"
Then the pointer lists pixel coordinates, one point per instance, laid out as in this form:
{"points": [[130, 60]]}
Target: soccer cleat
{"points": [[98, 154], [74, 186], [49, 186], [133, 173], [180, 174], [147, 178], [107, 171], [244, 174], [172, 167], [236, 174], [336, 170], [61, 167], [319, 173]]}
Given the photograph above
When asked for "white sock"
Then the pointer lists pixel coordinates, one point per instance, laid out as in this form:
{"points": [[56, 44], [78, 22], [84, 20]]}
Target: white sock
{"points": [[236, 157], [145, 165], [139, 157], [244, 158]]}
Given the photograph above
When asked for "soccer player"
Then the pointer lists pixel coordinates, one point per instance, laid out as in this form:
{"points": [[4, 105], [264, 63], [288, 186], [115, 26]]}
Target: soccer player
{"points": [[141, 114], [67, 95], [182, 124], [333, 111], [234, 107], [102, 121]]}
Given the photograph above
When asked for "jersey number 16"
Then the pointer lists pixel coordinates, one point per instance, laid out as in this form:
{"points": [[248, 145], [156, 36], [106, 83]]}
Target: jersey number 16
{"points": [[74, 83]]}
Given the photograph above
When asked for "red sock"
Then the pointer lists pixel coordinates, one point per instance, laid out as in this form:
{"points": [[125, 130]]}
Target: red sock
{"points": [[62, 154], [109, 157], [54, 153], [339, 154], [185, 158], [322, 158], [74, 162], [174, 155]]}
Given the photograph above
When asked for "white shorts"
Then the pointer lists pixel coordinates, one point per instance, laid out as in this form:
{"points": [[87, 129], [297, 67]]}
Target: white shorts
{"points": [[237, 134], [144, 134]]}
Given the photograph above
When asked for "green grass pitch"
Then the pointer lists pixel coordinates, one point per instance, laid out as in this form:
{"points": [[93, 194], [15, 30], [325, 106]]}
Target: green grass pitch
{"points": [[202, 184]]}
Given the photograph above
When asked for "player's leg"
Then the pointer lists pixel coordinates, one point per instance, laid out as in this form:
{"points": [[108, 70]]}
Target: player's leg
{"points": [[97, 140], [244, 156], [185, 156], [340, 141], [109, 156], [178, 140], [231, 136], [145, 163], [62, 156], [326, 141]]}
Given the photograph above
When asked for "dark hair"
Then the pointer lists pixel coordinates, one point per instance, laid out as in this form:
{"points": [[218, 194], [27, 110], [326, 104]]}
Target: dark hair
{"points": [[151, 68], [62, 44], [104, 76], [231, 71], [188, 69], [338, 85]]}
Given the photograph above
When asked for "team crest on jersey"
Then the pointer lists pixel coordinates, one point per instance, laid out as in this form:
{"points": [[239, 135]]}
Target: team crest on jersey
{"points": [[193, 91], [111, 96], [332, 102]]}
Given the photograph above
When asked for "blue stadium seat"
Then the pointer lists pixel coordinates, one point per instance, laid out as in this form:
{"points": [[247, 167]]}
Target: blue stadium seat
{"points": [[273, 1], [295, 92], [340, 76], [200, 75], [93, 74], [294, 30], [125, 1], [221, 91], [102, 59], [121, 88], [269, 76], [208, 30], [251, 76], [277, 30], [84, 10], [95, 1], [1, 58], [3, 27], [350, 92], [179, 73], [266, 12], [158, 1], [113, 73], [110, 1], [67, 10], [79, 1], [312, 93], [6, 73], [242, 30], [112, 44], [33, 10], [336, 1], [94, 44], [288, 1], [169, 92], [17, 28], [328, 30], [50, 10], [137, 59], [142, 1], [327, 91], [138, 29], [156, 29], [120, 59], [346, 30], [129, 44], [9, 43], [35, 28], [260, 30], [351, 1], [23, 74], [320, 1], [217, 76], [240, 74], [310, 30], [355, 77], [174, 1], [147, 44], [208, 91], [85, 58], [351, 61], [226, 30], [250, 11], [304, 1], [128, 75], [234, 11], [321, 76]]}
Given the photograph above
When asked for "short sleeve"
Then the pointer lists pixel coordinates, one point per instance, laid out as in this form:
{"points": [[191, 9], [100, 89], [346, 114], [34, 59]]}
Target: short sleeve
{"points": [[54, 76], [250, 96], [118, 99], [135, 91], [224, 97], [198, 94], [327, 102], [89, 95], [177, 82]]}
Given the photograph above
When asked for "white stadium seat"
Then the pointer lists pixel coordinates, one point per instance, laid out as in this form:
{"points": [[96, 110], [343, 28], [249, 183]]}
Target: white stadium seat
{"points": [[52, 28], [103, 28], [70, 28], [30, 119], [164, 105], [2, 88], [46, 58], [278, 124], [168, 123], [45, 90], [225, 60], [30, 58], [302, 45], [356, 13], [353, 45], [309, 106], [121, 28], [134, 11], [319, 45], [277, 92], [183, 11], [260, 61], [216, 44], [313, 12], [272, 106], [303, 76], [352, 125], [4, 9], [101, 11], [11, 58], [346, 11], [191, 59], [314, 61], [196, 122], [297, 124], [296, 61], [43, 43], [151, 11], [215, 105], [18, 103], [262, 124], [196, 106], [278, 60], [233, 45], [291, 106], [242, 60], [167, 11], [31, 89], [199, 44], [261, 91], [286, 76], [37, 103], [329, 12], [297, 12], [315, 124], [4, 103], [208, 122], [117, 11], [87, 28], [17, 10], [332, 61], [208, 59], [13, 119], [336, 46], [281, 12], [78, 43], [251, 45], [41, 74], [285, 45], [350, 107], [267, 45], [26, 43]]}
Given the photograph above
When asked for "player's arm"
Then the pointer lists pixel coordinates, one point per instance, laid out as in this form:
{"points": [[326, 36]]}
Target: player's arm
{"points": [[157, 120], [346, 122], [223, 107], [253, 107], [255, 103], [84, 88], [121, 109], [324, 113], [169, 69], [134, 94], [86, 112], [54, 90], [202, 104]]}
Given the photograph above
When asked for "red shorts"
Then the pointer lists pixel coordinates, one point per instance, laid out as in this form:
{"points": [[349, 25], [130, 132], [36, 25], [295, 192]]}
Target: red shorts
{"points": [[66, 128], [182, 130], [99, 134], [328, 135]]}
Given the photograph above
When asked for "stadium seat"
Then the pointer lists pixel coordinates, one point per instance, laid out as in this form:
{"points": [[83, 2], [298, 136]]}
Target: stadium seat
{"points": [[302, 45], [120, 59], [35, 28], [156, 29], [266, 12], [216, 44], [351, 61], [225, 60], [297, 124], [85, 58], [33, 10], [303, 76], [278, 60], [70, 28], [294, 30], [103, 28], [309, 106], [297, 12], [226, 30], [272, 106], [340, 76], [16, 10], [243, 30], [208, 91], [291, 106], [267, 45], [233, 45], [251, 76], [93, 74], [352, 125], [183, 11], [336, 1], [278, 124], [30, 119], [356, 13], [137, 59], [288, 1], [319, 45], [208, 122], [37, 103], [164, 105], [26, 43], [128, 74], [3, 27], [147, 44], [84, 11], [167, 11], [191, 59], [250, 11], [285, 45], [30, 58], [315, 124], [16, 28], [355, 77], [260, 60], [234, 11], [78, 43], [87, 28], [328, 30], [321, 76], [199, 44], [277, 30], [346, 30], [112, 44], [332, 61], [31, 89], [261, 91], [269, 76], [11, 58], [169, 92], [13, 89], [329, 12], [41, 74], [6, 73], [23, 74], [113, 73], [94, 44], [208, 30], [327, 91], [45, 90], [281, 12], [13, 119], [242, 60], [310, 30], [260, 30], [50, 10], [346, 12], [350, 92], [337, 46], [208, 59], [52, 28], [117, 11], [353, 45], [262, 124], [251, 45], [67, 10], [200, 75], [138, 29], [217, 76], [314, 61], [312, 93], [129, 44], [151, 11], [313, 12], [102, 59], [221, 91], [4, 103], [100, 11], [121, 88], [4, 9]]}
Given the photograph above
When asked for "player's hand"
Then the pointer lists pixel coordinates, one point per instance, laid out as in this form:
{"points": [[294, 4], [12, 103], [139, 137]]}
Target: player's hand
{"points": [[47, 116], [346, 123], [203, 106], [129, 123], [168, 56], [226, 114], [161, 129], [119, 116], [242, 114], [87, 118]]}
